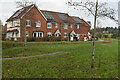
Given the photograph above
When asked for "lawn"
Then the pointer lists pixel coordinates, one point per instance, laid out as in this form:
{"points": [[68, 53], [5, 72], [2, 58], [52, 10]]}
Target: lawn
{"points": [[75, 64]]}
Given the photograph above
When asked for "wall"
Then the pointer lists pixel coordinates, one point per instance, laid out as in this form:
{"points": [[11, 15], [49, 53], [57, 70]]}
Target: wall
{"points": [[33, 15]]}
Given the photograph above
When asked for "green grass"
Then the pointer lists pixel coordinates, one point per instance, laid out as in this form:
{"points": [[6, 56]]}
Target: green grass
{"points": [[76, 63]]}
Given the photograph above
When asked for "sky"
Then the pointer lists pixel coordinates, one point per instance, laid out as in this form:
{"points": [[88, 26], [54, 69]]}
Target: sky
{"points": [[8, 7]]}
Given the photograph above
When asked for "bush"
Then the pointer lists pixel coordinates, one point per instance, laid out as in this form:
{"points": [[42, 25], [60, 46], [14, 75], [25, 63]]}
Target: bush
{"points": [[52, 38], [99, 35], [31, 39], [114, 35], [106, 36]]}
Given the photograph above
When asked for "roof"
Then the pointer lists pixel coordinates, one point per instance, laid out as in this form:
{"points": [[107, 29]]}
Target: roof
{"points": [[19, 13], [14, 30], [50, 16], [60, 17], [37, 30]]}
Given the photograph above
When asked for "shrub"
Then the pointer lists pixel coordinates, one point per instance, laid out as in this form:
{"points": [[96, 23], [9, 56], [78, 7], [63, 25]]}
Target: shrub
{"points": [[106, 36], [31, 39], [99, 35], [114, 35]]}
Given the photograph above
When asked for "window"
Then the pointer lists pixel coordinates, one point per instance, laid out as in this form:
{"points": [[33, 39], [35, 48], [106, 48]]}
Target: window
{"points": [[34, 34], [7, 35], [38, 34], [65, 35], [38, 23], [55, 25], [27, 34], [27, 22], [71, 25], [77, 26], [49, 34], [65, 26], [49, 25]]}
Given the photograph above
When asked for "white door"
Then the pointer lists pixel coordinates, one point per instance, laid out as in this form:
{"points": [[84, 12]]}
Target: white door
{"points": [[71, 37], [15, 36]]}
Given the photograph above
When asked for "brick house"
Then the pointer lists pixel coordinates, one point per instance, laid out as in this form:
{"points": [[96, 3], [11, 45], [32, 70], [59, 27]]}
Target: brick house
{"points": [[42, 23]]}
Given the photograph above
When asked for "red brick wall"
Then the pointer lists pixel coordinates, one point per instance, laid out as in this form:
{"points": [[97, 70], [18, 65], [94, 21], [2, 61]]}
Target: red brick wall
{"points": [[33, 15], [82, 31]]}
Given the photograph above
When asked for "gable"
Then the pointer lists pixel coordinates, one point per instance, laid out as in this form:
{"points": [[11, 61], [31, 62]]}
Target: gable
{"points": [[20, 13]]}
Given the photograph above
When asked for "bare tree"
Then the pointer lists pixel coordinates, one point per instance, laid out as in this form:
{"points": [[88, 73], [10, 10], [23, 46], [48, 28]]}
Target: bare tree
{"points": [[24, 4], [1, 22], [1, 26], [96, 9]]}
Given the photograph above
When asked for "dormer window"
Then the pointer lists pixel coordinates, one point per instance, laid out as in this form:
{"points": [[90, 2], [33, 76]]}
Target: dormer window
{"points": [[28, 22]]}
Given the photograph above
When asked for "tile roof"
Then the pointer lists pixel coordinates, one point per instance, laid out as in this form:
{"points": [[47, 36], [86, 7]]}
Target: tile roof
{"points": [[19, 13], [51, 16], [69, 19], [57, 18]]}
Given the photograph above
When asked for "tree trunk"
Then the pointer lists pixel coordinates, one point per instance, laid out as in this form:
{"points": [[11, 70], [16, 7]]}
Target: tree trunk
{"points": [[95, 19], [25, 40]]}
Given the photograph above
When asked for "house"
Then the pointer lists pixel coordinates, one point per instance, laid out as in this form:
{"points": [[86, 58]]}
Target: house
{"points": [[42, 23]]}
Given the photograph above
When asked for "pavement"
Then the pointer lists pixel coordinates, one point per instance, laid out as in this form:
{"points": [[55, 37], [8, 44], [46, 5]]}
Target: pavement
{"points": [[57, 53]]}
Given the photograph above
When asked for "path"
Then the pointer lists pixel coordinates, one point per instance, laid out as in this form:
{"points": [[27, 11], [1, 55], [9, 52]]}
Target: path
{"points": [[33, 56]]}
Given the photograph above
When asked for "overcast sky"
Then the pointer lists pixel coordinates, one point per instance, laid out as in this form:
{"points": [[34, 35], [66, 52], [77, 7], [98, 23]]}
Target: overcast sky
{"points": [[8, 7]]}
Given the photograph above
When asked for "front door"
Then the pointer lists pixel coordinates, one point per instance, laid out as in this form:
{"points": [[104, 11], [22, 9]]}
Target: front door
{"points": [[15, 36], [71, 37]]}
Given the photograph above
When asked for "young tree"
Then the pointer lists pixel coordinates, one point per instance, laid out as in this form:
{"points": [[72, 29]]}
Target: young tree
{"points": [[24, 4], [96, 9], [1, 27]]}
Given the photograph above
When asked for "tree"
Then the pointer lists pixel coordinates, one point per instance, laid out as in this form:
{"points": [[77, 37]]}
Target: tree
{"points": [[1, 22], [98, 10], [0, 28], [24, 4]]}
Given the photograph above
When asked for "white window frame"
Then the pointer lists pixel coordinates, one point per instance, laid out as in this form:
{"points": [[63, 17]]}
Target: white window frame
{"points": [[7, 35], [49, 24], [26, 33], [71, 26], [49, 33], [29, 23], [38, 33], [38, 23], [65, 26], [66, 35], [78, 26], [56, 25]]}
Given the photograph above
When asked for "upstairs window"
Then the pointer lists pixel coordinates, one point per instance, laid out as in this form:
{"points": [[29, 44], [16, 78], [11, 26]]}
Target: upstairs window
{"points": [[38, 23], [28, 22], [77, 26], [65, 26], [49, 25]]}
